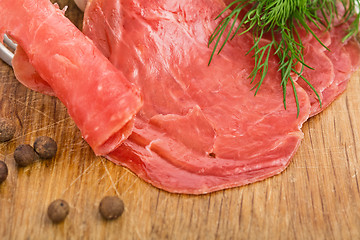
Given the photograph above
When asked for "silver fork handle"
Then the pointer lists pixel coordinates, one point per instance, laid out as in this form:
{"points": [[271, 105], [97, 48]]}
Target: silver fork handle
{"points": [[5, 54], [10, 43]]}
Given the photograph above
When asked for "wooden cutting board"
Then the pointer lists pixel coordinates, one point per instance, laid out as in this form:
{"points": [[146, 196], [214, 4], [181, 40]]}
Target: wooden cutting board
{"points": [[317, 197]]}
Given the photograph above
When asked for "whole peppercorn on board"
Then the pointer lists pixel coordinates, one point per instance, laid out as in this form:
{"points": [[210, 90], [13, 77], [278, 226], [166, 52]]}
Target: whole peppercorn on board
{"points": [[318, 196]]}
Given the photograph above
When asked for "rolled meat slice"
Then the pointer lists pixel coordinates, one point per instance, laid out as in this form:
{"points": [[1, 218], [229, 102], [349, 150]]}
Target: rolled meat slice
{"points": [[97, 95]]}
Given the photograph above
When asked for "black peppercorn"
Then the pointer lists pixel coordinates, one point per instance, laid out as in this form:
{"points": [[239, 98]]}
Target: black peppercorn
{"points": [[7, 130], [111, 207], [24, 155], [58, 210], [3, 171], [45, 146]]}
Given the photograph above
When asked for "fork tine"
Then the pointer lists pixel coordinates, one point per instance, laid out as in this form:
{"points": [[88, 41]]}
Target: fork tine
{"points": [[10, 43], [5, 54]]}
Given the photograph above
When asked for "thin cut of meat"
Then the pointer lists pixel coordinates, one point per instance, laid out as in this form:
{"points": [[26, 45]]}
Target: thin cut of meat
{"points": [[201, 128], [322, 75], [27, 74], [345, 59], [332, 69], [97, 95]]}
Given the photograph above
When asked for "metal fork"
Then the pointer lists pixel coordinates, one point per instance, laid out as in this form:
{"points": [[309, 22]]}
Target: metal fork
{"points": [[5, 54]]}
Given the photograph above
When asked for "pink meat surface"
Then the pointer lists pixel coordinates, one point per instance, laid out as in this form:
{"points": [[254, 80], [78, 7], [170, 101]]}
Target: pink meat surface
{"points": [[97, 95], [201, 128], [345, 59], [322, 74], [332, 69], [27, 74]]}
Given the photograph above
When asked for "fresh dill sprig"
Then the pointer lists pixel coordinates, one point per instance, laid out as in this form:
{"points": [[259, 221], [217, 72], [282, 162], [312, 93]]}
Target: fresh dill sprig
{"points": [[280, 19]]}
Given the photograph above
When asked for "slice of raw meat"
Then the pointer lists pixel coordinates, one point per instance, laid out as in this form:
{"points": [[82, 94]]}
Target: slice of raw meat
{"points": [[344, 60], [201, 128], [27, 74], [97, 95], [190, 139], [321, 76], [322, 73], [333, 67], [331, 70]]}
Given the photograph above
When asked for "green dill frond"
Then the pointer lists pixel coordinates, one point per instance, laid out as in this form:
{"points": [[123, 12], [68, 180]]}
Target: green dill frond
{"points": [[280, 18]]}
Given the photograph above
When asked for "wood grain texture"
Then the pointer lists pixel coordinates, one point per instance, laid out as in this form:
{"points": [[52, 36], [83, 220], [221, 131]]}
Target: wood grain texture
{"points": [[317, 197]]}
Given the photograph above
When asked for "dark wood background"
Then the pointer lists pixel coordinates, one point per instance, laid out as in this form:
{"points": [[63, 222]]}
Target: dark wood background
{"points": [[317, 197]]}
